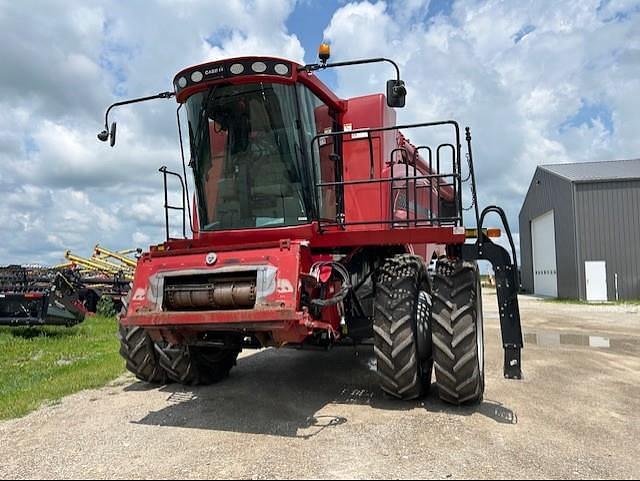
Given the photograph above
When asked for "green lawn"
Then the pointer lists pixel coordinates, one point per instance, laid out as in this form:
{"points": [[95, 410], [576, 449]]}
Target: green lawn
{"points": [[48, 363]]}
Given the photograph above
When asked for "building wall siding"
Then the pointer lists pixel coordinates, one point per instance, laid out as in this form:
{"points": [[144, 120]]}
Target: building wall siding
{"points": [[608, 228], [550, 192]]}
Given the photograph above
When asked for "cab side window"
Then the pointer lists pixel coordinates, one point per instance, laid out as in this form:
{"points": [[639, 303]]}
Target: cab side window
{"points": [[317, 118]]}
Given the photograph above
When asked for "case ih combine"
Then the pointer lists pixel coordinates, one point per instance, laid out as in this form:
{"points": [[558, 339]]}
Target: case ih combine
{"points": [[313, 222]]}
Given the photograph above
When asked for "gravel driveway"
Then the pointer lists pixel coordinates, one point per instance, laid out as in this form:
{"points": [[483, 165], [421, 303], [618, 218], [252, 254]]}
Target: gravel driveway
{"points": [[300, 414]]}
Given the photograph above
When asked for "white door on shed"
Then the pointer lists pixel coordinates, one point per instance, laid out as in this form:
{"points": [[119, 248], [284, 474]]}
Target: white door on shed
{"points": [[543, 240], [595, 273]]}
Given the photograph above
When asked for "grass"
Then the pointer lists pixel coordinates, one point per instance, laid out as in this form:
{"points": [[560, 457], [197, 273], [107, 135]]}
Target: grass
{"points": [[39, 365]]}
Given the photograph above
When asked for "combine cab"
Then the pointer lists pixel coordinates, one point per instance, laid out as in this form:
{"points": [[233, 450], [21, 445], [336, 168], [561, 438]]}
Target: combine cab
{"points": [[314, 221]]}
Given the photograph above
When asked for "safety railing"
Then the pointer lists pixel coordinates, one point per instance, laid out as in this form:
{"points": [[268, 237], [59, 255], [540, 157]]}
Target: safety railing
{"points": [[412, 190]]}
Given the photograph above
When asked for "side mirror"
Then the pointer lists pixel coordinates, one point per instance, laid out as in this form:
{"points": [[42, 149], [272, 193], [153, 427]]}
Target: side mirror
{"points": [[104, 135], [396, 93], [112, 134]]}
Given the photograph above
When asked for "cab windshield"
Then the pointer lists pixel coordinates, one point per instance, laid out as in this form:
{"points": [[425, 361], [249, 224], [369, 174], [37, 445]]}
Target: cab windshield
{"points": [[247, 157]]}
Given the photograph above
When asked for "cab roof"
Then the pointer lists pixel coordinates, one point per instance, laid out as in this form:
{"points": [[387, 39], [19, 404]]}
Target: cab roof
{"points": [[247, 70]]}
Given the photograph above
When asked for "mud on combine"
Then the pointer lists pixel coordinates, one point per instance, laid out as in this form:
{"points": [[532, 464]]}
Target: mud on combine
{"points": [[313, 223]]}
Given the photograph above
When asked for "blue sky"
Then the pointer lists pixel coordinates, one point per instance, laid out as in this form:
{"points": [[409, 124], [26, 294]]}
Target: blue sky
{"points": [[310, 18], [538, 81], [308, 21], [588, 114]]}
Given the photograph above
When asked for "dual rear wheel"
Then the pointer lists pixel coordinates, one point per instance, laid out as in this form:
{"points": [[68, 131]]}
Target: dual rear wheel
{"points": [[423, 324]]}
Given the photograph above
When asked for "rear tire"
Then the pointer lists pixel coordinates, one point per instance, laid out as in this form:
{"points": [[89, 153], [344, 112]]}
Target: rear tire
{"points": [[193, 365], [458, 340], [401, 317]]}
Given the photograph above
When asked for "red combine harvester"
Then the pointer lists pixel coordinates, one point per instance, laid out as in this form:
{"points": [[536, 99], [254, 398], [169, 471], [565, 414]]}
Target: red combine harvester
{"points": [[313, 223]]}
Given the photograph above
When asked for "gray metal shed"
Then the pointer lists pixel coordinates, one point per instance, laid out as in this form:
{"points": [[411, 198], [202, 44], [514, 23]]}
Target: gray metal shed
{"points": [[580, 231]]}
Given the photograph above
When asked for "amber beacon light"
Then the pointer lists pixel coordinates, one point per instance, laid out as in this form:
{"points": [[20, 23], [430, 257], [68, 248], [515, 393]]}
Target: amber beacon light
{"points": [[324, 52]]}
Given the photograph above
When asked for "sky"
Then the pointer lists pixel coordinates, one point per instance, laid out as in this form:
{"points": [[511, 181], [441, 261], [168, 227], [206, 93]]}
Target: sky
{"points": [[539, 82]]}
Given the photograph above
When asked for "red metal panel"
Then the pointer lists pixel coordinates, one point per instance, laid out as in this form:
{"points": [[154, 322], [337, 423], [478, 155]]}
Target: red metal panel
{"points": [[421, 235], [238, 239], [218, 319], [364, 201], [331, 237], [277, 291]]}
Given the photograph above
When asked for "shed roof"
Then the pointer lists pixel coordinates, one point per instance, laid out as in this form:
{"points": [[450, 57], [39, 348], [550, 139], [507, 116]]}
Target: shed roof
{"points": [[608, 170]]}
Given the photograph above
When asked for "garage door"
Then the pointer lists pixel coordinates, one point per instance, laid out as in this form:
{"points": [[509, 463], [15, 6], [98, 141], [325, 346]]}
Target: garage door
{"points": [[543, 239]]}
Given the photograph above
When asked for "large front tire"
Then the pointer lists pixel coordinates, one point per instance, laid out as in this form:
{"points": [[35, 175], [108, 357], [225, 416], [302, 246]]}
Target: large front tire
{"points": [[458, 340], [194, 366], [401, 320], [138, 350]]}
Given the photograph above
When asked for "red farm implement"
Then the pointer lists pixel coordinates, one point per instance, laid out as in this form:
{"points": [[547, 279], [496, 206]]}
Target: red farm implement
{"points": [[313, 223]]}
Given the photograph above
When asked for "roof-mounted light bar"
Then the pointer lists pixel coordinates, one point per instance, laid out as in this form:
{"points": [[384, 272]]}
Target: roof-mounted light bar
{"points": [[230, 70]]}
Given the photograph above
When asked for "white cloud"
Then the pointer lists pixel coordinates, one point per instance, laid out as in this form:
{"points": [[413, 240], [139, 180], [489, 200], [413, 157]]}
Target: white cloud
{"points": [[260, 30], [43, 223], [140, 239], [513, 71], [60, 187], [238, 44]]}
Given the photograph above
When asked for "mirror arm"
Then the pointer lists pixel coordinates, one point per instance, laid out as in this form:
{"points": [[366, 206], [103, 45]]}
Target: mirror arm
{"points": [[105, 135], [321, 66]]}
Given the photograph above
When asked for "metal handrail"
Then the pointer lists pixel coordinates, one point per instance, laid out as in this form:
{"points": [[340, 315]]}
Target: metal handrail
{"points": [[168, 207], [456, 182]]}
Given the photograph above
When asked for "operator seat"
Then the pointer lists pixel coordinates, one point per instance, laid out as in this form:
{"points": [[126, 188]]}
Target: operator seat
{"points": [[273, 190]]}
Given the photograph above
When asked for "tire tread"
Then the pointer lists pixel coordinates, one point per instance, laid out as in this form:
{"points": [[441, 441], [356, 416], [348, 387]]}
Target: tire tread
{"points": [[455, 312], [398, 286]]}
